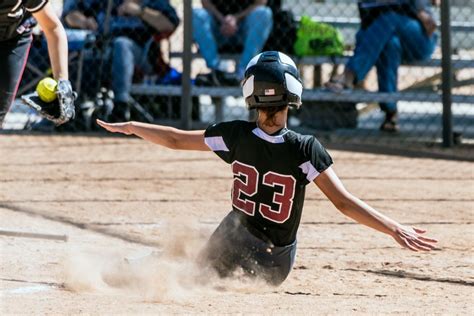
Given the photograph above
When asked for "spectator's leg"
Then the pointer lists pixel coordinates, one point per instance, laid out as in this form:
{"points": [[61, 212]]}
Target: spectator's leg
{"points": [[387, 71], [143, 58], [415, 43], [255, 29], [126, 54], [203, 32], [369, 44], [410, 44]]}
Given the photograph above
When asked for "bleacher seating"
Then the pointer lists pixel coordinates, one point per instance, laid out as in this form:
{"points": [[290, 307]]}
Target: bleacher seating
{"points": [[321, 94]]}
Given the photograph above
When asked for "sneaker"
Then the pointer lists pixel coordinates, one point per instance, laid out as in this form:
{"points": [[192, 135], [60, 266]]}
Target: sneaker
{"points": [[390, 123], [217, 78], [172, 77]]}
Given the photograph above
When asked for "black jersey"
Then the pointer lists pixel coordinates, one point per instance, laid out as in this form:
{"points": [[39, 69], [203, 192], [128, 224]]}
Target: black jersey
{"points": [[270, 174], [14, 13]]}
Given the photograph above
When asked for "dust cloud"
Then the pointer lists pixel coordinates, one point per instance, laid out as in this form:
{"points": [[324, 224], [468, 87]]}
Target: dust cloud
{"points": [[168, 274]]}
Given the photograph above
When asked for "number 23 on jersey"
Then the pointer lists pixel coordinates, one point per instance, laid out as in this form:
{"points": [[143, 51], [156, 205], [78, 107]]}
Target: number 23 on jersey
{"points": [[246, 180]]}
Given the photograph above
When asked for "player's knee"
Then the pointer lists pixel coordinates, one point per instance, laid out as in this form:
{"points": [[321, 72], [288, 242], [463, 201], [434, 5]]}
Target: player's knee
{"points": [[274, 276]]}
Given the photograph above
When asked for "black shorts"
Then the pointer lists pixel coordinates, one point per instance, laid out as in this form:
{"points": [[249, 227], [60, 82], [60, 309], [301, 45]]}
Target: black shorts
{"points": [[232, 245], [13, 56]]}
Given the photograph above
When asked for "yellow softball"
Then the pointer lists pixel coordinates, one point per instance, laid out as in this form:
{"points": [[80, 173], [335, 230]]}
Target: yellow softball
{"points": [[46, 89]]}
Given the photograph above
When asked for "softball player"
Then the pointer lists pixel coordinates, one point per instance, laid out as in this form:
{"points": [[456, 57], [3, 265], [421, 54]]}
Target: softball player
{"points": [[15, 41], [272, 166]]}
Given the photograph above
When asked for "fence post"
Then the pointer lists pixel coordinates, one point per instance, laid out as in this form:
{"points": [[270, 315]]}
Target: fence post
{"points": [[187, 58], [447, 75]]}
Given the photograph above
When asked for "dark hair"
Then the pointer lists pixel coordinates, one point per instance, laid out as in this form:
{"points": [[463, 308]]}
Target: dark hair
{"points": [[271, 112]]}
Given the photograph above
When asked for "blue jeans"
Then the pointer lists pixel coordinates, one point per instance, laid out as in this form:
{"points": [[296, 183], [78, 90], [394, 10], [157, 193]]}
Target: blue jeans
{"points": [[391, 38], [253, 32], [126, 54]]}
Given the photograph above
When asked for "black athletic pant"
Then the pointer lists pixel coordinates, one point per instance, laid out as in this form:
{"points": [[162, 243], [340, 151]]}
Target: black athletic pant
{"points": [[13, 56], [232, 245]]}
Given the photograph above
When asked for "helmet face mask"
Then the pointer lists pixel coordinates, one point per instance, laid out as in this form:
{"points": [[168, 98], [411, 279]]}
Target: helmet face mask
{"points": [[272, 79]]}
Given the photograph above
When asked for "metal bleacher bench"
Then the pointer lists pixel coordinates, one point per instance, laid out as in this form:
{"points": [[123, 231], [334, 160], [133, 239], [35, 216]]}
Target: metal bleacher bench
{"points": [[321, 94]]}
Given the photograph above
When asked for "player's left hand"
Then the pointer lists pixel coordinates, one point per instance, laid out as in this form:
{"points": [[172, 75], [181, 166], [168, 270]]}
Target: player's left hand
{"points": [[61, 110], [123, 128], [411, 238]]}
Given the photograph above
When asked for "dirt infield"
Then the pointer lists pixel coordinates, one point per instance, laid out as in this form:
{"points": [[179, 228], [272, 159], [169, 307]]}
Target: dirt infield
{"points": [[121, 197]]}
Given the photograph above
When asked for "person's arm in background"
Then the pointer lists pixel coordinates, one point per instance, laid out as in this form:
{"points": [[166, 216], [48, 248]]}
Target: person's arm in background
{"points": [[239, 16], [78, 20], [154, 17], [74, 17], [166, 136], [425, 14], [57, 41], [209, 6], [408, 237]]}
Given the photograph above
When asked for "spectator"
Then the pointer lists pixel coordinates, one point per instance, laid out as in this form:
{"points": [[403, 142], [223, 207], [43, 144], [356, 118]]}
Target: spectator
{"points": [[220, 23], [133, 24], [391, 31]]}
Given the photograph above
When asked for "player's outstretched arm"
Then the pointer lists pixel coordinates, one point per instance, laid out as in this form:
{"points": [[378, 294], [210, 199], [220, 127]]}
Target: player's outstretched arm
{"points": [[162, 135], [408, 237]]}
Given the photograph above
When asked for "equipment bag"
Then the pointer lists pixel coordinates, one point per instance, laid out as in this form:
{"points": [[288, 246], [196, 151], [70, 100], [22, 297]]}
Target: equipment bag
{"points": [[318, 39]]}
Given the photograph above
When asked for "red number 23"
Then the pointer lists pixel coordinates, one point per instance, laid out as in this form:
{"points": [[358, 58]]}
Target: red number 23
{"points": [[246, 181]]}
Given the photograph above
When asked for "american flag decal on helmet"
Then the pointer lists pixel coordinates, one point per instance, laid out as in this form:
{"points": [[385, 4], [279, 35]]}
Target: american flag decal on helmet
{"points": [[269, 91]]}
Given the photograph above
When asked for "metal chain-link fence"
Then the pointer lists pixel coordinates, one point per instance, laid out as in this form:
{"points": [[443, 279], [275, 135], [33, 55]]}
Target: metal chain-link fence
{"points": [[372, 70]]}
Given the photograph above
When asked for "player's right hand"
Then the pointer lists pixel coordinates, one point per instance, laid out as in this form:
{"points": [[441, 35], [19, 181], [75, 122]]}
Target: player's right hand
{"points": [[123, 128]]}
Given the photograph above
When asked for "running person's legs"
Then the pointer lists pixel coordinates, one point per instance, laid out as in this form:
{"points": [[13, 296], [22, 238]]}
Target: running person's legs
{"points": [[13, 56], [232, 245]]}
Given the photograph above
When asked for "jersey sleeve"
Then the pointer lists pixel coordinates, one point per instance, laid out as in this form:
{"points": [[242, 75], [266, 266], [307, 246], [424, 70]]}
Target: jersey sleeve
{"points": [[316, 158], [33, 6], [221, 138]]}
